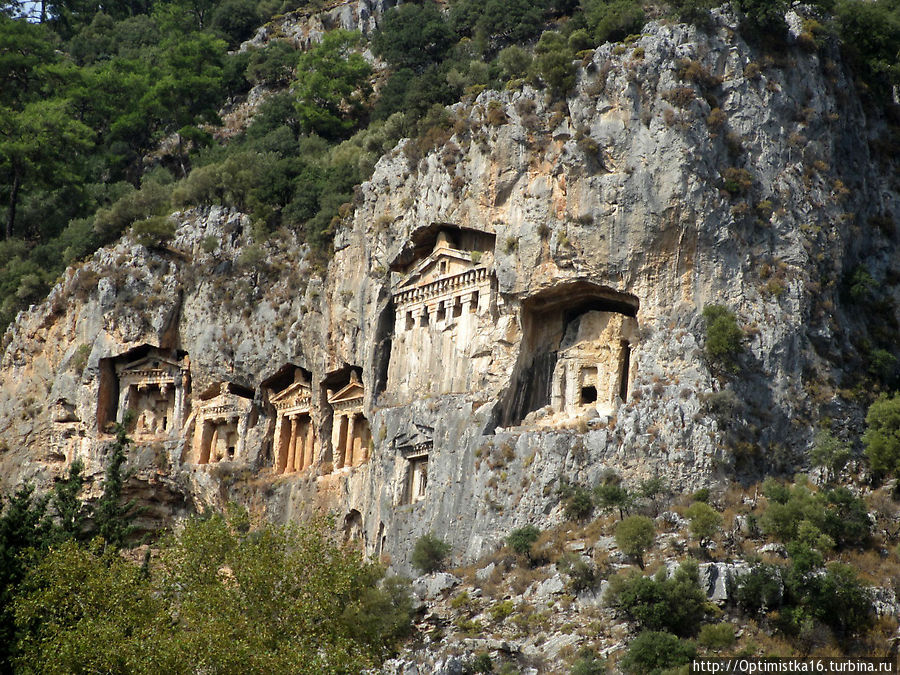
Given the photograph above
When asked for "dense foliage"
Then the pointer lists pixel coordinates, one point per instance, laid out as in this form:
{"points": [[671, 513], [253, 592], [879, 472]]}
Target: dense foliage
{"points": [[221, 595]]}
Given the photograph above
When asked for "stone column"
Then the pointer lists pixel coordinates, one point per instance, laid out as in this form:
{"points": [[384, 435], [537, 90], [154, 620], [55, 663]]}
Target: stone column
{"points": [[339, 448], [202, 437], [348, 453], [292, 445], [310, 444]]}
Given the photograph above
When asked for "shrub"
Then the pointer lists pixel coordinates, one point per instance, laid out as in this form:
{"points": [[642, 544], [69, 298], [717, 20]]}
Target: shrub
{"points": [[577, 504], [820, 520], [273, 65], [588, 663], [153, 232], [654, 651], [521, 539], [705, 522], [724, 338], [430, 554], [514, 61], [675, 604], [759, 590], [882, 435], [634, 536], [553, 61], [829, 453], [737, 181], [716, 635], [611, 495], [482, 663], [582, 575], [613, 20]]}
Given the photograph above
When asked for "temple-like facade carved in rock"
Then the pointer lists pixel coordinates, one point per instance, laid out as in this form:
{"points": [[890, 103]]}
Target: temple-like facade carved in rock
{"points": [[593, 365], [151, 388], [295, 434], [414, 446], [447, 292], [350, 434], [220, 424], [577, 357]]}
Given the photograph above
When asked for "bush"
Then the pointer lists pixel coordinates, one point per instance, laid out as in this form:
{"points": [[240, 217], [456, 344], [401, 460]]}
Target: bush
{"points": [[716, 636], [521, 539], [829, 453], [882, 435], [582, 575], [430, 554], [611, 495], [675, 604], [820, 520], [588, 663], [553, 61], [760, 590], [153, 232], [654, 651], [705, 522], [634, 536], [737, 181], [577, 505], [613, 20], [724, 338]]}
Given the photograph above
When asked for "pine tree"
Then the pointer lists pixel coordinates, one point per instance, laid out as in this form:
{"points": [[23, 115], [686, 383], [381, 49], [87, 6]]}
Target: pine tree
{"points": [[113, 519], [71, 511], [24, 526]]}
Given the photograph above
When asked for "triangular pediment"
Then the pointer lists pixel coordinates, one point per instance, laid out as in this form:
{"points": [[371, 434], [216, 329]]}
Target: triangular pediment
{"points": [[351, 392], [151, 363], [429, 268], [294, 393]]}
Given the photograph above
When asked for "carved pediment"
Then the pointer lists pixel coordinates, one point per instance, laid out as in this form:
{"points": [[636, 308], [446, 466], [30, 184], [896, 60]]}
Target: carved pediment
{"points": [[443, 262], [225, 404], [151, 370], [353, 392], [296, 395]]}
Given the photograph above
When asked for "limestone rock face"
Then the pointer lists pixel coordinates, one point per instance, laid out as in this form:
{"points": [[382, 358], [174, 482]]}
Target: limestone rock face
{"points": [[516, 308]]}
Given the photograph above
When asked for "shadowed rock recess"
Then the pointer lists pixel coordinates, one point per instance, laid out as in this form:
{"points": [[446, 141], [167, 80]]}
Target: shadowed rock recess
{"points": [[518, 308]]}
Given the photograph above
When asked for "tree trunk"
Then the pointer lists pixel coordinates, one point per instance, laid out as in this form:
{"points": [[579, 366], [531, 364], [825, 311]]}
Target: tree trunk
{"points": [[13, 199]]}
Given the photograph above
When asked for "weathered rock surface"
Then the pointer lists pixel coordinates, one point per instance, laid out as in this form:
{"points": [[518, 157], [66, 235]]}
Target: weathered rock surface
{"points": [[614, 201]]}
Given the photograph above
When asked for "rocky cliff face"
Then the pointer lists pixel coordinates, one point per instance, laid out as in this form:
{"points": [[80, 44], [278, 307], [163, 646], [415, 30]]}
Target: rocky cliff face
{"points": [[521, 306]]}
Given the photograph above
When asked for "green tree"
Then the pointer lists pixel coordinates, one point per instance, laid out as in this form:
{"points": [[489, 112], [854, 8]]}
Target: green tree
{"points": [[39, 144], [332, 85], [71, 512], [882, 435], [634, 537], [113, 518], [724, 337], [611, 495], [222, 597], [655, 652], [521, 539], [430, 554], [705, 522], [829, 453], [588, 663], [89, 610], [553, 62], [613, 20], [676, 604], [412, 36], [24, 528]]}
